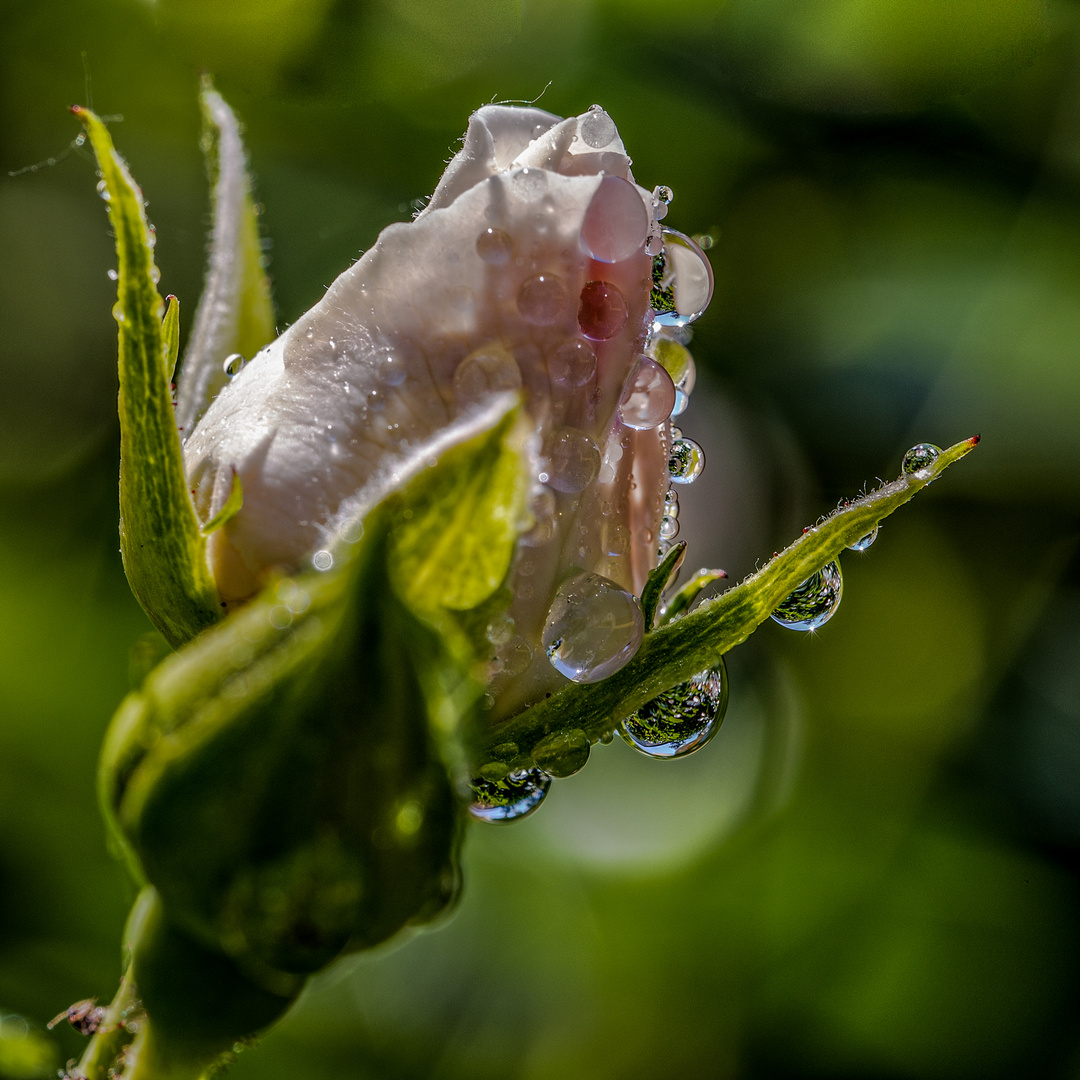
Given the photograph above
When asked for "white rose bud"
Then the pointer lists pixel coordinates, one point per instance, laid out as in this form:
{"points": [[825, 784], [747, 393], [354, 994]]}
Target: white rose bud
{"points": [[528, 271]]}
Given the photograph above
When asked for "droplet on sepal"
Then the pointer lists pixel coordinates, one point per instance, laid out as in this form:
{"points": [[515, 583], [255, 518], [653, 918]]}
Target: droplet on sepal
{"points": [[562, 753], [512, 798], [682, 719], [814, 602], [593, 628], [864, 541], [919, 458]]}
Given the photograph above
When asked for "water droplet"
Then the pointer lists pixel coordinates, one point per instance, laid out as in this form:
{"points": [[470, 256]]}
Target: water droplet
{"points": [[616, 539], [103, 190], [919, 458], [494, 246], [573, 461], [485, 372], [594, 627], [572, 364], [233, 364], [114, 275], [542, 299], [662, 193], [596, 128], [392, 369], [616, 222], [500, 630], [602, 312], [814, 602], [562, 753], [682, 719], [671, 503], [686, 461], [669, 528], [322, 560], [118, 312], [543, 510], [864, 541], [682, 281], [510, 799], [648, 398]]}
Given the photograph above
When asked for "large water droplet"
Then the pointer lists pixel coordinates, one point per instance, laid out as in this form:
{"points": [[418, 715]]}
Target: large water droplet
{"points": [[680, 720], [233, 364], [615, 223], [597, 129], [562, 753], [510, 799], [682, 281], [919, 458], [864, 541], [594, 627], [669, 528], [494, 246], [814, 602], [648, 398], [572, 364], [686, 461], [542, 299], [602, 312], [573, 461], [485, 372]]}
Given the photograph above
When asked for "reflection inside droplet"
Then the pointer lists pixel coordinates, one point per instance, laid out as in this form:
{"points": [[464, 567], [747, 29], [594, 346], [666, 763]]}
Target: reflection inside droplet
{"points": [[509, 799], [681, 720], [814, 602], [682, 281]]}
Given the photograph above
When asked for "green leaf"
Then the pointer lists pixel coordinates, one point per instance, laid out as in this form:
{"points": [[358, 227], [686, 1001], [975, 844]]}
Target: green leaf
{"points": [[163, 550], [170, 332], [658, 581], [684, 647], [455, 536], [235, 313]]}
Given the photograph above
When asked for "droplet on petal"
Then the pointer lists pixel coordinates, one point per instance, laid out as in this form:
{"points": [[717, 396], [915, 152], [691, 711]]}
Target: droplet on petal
{"points": [[616, 222], [572, 364], [686, 461], [483, 373], [494, 246], [542, 299], [597, 128], [602, 312], [593, 628], [682, 281], [573, 461], [648, 398]]}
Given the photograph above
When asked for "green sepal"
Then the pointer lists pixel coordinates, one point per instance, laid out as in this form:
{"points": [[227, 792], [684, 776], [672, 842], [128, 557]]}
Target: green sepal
{"points": [[163, 550], [659, 580], [677, 651], [683, 599], [284, 781], [455, 536], [170, 333]]}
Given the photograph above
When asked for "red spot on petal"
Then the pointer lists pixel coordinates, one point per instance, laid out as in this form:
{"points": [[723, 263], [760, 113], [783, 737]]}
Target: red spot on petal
{"points": [[603, 311]]}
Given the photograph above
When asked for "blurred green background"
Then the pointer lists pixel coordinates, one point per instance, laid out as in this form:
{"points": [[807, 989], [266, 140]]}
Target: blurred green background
{"points": [[872, 871]]}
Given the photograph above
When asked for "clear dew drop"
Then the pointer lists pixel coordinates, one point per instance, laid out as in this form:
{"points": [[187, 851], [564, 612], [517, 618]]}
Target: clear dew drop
{"points": [[573, 461], [515, 796], [114, 275], [686, 462], [542, 299], [593, 628], [682, 281], [494, 246], [919, 458], [864, 541], [602, 310], [322, 560], [596, 128], [542, 510], [233, 365], [562, 753], [648, 398], [103, 190], [572, 364], [669, 528], [680, 720], [814, 602], [483, 373], [616, 222]]}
